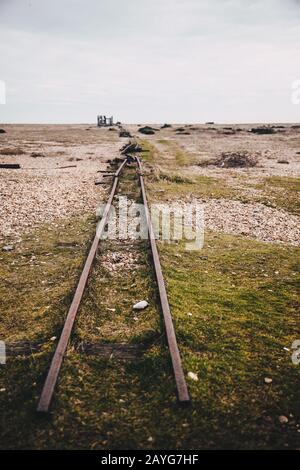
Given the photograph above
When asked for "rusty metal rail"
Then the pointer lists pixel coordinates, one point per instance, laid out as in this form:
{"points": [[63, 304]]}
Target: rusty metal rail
{"points": [[49, 385], [56, 363], [182, 390]]}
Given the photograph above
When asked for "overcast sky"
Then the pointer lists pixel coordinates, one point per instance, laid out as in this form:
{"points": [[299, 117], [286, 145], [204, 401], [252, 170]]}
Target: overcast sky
{"points": [[149, 61]]}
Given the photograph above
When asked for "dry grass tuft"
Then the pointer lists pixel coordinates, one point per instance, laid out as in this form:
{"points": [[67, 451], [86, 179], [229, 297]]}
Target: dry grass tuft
{"points": [[239, 159]]}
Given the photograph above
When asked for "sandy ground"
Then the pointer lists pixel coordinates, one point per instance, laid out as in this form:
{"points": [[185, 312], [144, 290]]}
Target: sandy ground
{"points": [[43, 191]]}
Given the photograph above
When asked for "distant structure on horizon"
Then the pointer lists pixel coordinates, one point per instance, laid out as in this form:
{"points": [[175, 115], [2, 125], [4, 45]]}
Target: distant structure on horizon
{"points": [[103, 121]]}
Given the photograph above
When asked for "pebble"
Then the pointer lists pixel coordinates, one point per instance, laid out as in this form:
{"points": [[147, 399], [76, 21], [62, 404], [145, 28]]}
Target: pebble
{"points": [[52, 196], [268, 380], [283, 419], [45, 195], [53, 338], [193, 376], [272, 225], [8, 248], [140, 305]]}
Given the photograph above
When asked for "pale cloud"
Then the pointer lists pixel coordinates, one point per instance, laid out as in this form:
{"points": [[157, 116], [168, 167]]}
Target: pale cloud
{"points": [[167, 60]]}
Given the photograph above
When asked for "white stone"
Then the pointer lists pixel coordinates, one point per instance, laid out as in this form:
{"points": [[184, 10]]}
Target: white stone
{"points": [[283, 419], [140, 305], [8, 248], [193, 376]]}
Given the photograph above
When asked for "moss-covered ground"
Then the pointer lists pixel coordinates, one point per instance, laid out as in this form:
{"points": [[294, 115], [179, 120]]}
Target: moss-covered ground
{"points": [[235, 305]]}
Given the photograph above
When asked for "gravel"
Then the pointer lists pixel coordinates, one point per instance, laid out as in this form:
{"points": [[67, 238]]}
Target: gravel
{"points": [[43, 192], [252, 220]]}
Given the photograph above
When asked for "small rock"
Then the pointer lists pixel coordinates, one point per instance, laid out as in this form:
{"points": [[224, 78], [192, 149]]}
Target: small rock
{"points": [[190, 314], [193, 376], [8, 248], [37, 155], [268, 380], [140, 305], [2, 390], [150, 439], [53, 338], [283, 419]]}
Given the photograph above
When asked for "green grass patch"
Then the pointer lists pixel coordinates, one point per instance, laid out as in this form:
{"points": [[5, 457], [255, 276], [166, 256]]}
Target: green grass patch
{"points": [[150, 153], [122, 276], [176, 158], [168, 178], [243, 297], [282, 192], [182, 158], [243, 315], [170, 185], [235, 305], [38, 276]]}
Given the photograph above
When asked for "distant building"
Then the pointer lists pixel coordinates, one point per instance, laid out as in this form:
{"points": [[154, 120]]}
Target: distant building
{"points": [[103, 121]]}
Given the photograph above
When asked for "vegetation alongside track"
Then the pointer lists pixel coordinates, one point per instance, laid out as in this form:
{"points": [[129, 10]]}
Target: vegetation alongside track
{"points": [[235, 305]]}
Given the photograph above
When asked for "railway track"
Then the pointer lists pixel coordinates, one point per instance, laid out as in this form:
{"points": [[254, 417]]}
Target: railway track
{"points": [[57, 359]]}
